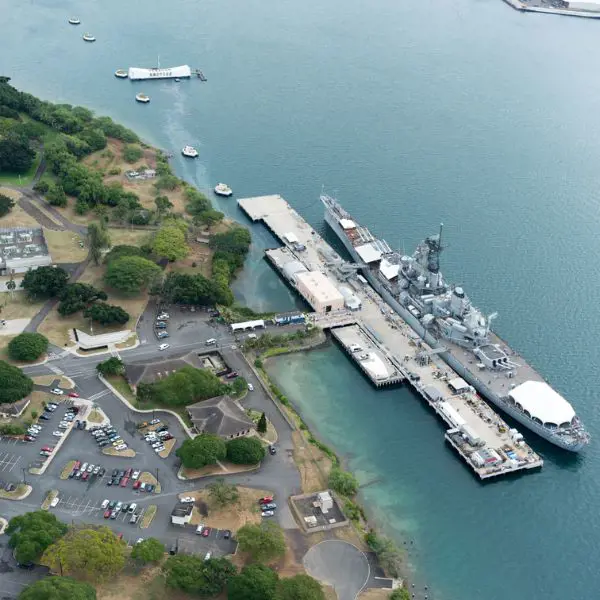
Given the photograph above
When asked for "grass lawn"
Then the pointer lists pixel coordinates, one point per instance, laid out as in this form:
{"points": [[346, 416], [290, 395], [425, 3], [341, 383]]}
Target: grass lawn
{"points": [[121, 385], [211, 470], [63, 382], [20, 492], [245, 510], [17, 217], [17, 306], [169, 445], [58, 329], [129, 453], [36, 404], [313, 464], [22, 179], [64, 474], [95, 416], [51, 495], [64, 246]]}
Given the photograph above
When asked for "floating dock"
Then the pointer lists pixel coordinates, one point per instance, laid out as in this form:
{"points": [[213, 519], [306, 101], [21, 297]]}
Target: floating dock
{"points": [[387, 349]]}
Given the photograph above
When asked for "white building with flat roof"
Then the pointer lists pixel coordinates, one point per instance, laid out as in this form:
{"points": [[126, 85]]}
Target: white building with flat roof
{"points": [[589, 5], [319, 291]]}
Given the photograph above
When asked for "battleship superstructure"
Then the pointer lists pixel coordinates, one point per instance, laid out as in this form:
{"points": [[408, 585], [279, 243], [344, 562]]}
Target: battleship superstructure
{"points": [[444, 317]]}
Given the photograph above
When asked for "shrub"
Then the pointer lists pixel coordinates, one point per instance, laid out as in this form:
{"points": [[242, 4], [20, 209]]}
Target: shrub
{"points": [[27, 346], [132, 153], [245, 451]]}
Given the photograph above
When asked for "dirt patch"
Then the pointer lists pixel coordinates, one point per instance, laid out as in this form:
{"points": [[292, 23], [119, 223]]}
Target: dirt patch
{"points": [[64, 246], [198, 261], [246, 510], [18, 307], [36, 404], [147, 477], [129, 453], [17, 217], [313, 464], [95, 416], [210, 470], [169, 445], [148, 516], [375, 594]]}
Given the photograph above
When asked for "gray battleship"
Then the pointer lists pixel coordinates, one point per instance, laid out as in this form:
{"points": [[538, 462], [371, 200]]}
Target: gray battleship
{"points": [[444, 317]]}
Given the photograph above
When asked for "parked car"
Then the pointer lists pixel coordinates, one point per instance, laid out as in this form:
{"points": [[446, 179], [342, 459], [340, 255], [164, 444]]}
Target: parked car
{"points": [[124, 482], [107, 514], [45, 453], [78, 475], [105, 504], [164, 346], [163, 316], [131, 508], [270, 506], [85, 476], [136, 485], [114, 514], [45, 417], [47, 448], [149, 487], [91, 468], [121, 447], [155, 422], [159, 449], [231, 375], [135, 475], [266, 500], [134, 518], [199, 529], [272, 449], [112, 504], [57, 433], [29, 438], [206, 532], [73, 395], [57, 392], [187, 500], [268, 513], [128, 472], [250, 387], [162, 334], [161, 325], [226, 534]]}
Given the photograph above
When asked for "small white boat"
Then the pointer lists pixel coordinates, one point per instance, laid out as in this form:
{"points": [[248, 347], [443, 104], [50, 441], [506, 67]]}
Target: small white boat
{"points": [[88, 37], [74, 21], [222, 189], [142, 98], [190, 152], [177, 79], [121, 73]]}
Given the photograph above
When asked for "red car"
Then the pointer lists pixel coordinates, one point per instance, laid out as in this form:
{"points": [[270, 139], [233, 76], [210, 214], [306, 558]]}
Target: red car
{"points": [[76, 465], [136, 485], [266, 500], [29, 438], [124, 482], [48, 448], [107, 514], [128, 472], [73, 395], [85, 476], [206, 532]]}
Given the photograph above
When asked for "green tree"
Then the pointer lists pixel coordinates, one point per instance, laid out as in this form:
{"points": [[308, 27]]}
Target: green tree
{"points": [[204, 449], [170, 242], [15, 384], [106, 314], [167, 182], [262, 542], [31, 533], [163, 204], [343, 482], [77, 296], [6, 205], [27, 346], [245, 451], [58, 588], [122, 250], [132, 153], [42, 186], [56, 195], [400, 594], [223, 494], [131, 273], [209, 218], [147, 551], [388, 554], [16, 155], [111, 366], [261, 426], [98, 239], [255, 582], [45, 282], [93, 554], [239, 386], [192, 574], [300, 587]]}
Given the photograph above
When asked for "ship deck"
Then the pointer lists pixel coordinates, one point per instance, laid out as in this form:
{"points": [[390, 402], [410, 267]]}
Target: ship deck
{"points": [[395, 340]]}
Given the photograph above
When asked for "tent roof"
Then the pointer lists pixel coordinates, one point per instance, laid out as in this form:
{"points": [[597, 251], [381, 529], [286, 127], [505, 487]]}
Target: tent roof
{"points": [[541, 401]]}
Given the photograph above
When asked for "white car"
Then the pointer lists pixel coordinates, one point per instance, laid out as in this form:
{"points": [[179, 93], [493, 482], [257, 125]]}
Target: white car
{"points": [[187, 500], [163, 316], [57, 433], [159, 449], [57, 392], [121, 447], [55, 502], [134, 476], [250, 387], [105, 504], [36, 427], [164, 346], [154, 421], [139, 540]]}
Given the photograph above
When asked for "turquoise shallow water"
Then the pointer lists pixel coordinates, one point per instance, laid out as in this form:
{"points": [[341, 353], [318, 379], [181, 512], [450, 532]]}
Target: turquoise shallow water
{"points": [[465, 112]]}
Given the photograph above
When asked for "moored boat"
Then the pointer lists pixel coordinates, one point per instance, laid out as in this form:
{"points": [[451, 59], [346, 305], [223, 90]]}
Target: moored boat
{"points": [[74, 21], [88, 37], [121, 73], [143, 98], [222, 189], [189, 151]]}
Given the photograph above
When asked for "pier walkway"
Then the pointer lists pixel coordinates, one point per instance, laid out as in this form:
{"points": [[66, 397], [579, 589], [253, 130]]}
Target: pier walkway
{"points": [[388, 350]]}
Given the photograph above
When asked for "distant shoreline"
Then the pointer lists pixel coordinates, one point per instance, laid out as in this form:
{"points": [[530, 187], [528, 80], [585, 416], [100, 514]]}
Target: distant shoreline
{"points": [[565, 12]]}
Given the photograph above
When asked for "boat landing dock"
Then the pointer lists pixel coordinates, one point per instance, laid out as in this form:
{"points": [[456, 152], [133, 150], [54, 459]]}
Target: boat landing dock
{"points": [[376, 337]]}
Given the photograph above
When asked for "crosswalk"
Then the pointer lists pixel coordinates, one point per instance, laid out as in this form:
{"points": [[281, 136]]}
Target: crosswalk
{"points": [[54, 369], [99, 395]]}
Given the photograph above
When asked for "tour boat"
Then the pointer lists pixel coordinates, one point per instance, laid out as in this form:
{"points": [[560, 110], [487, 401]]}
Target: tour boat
{"points": [[189, 151], [142, 98], [74, 21], [222, 189], [121, 73], [88, 37]]}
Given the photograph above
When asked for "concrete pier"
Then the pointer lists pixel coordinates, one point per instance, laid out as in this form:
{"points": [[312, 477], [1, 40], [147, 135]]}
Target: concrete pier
{"points": [[388, 350]]}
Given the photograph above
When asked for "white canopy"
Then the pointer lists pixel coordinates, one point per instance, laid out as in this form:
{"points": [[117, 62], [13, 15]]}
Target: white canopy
{"points": [[541, 401], [368, 252], [347, 224], [388, 269]]}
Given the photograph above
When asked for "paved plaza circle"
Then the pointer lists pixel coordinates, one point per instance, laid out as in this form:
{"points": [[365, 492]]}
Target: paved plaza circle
{"points": [[340, 565]]}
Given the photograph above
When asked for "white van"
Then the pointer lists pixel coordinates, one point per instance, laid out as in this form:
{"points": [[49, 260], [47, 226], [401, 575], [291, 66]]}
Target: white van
{"points": [[252, 336], [55, 502], [208, 555], [104, 504], [199, 529], [211, 342]]}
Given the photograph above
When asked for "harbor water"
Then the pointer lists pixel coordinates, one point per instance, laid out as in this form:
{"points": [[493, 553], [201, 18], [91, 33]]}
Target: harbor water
{"points": [[466, 112]]}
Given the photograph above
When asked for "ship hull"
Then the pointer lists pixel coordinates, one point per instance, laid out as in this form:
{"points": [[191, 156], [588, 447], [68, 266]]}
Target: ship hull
{"points": [[447, 357]]}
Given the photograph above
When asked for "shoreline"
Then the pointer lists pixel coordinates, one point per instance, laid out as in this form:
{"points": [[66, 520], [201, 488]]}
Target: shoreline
{"points": [[563, 12], [369, 522]]}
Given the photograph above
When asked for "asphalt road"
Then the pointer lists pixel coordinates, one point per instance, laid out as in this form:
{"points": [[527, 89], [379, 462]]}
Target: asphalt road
{"points": [[80, 501]]}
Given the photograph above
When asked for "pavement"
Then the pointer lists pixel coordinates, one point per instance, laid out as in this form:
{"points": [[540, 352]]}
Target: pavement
{"points": [[14, 326], [340, 565], [80, 501]]}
